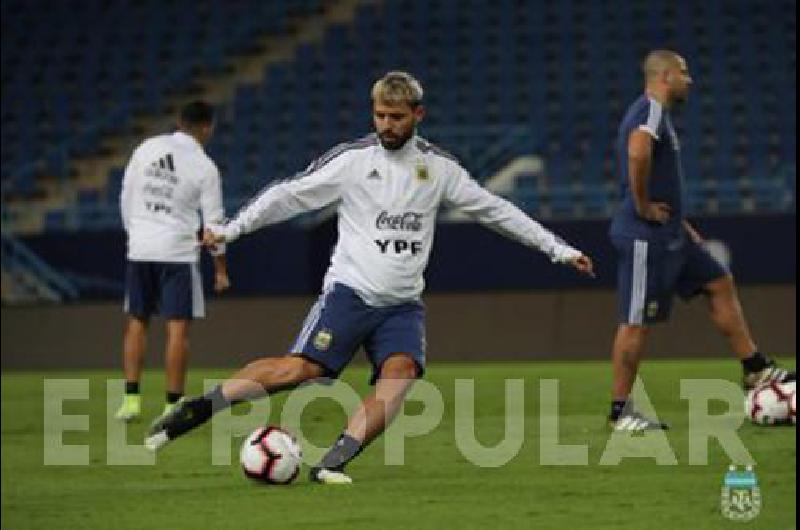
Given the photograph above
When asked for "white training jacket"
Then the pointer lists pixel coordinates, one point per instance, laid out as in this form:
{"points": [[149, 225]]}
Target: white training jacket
{"points": [[387, 203], [168, 181]]}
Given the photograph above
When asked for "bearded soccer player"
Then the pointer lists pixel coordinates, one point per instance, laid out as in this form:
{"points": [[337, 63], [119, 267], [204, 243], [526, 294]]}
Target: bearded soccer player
{"points": [[659, 253], [388, 188]]}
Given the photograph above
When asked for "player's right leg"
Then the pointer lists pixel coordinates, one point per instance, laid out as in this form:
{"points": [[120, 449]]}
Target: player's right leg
{"points": [[175, 365], [258, 378], [627, 351], [141, 295], [643, 284], [181, 302], [626, 354], [324, 346]]}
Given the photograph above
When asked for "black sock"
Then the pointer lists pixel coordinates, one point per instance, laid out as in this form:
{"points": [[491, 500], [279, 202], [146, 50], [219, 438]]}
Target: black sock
{"points": [[131, 387], [617, 406], [193, 413], [343, 451], [173, 397], [756, 362]]}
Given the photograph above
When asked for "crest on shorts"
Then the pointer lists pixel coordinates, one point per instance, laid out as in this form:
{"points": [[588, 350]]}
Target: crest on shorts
{"points": [[323, 339], [422, 173], [741, 496], [652, 309]]}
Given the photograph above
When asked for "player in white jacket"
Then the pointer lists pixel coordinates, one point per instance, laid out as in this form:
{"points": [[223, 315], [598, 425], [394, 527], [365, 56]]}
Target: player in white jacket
{"points": [[388, 188], [168, 181]]}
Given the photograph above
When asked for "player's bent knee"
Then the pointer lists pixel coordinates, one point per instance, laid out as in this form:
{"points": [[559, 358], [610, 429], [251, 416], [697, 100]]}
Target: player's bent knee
{"points": [[399, 367], [290, 370]]}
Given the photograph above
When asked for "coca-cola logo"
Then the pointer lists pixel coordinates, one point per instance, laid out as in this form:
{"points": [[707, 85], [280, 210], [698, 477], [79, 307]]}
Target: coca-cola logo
{"points": [[407, 222]]}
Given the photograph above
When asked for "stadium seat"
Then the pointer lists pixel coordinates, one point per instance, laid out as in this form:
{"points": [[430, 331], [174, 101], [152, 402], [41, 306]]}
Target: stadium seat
{"points": [[564, 70]]}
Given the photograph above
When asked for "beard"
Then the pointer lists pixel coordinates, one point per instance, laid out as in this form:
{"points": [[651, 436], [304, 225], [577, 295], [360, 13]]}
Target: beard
{"points": [[393, 142]]}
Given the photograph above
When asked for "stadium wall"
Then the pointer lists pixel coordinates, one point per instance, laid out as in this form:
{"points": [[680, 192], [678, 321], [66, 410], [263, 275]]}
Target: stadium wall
{"points": [[291, 260], [490, 325]]}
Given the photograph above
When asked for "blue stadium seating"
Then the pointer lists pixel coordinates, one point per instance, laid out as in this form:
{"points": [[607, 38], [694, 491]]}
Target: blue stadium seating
{"points": [[76, 70], [565, 70]]}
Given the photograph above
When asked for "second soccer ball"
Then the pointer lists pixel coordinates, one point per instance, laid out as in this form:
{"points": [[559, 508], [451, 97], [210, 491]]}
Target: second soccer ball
{"points": [[771, 404]]}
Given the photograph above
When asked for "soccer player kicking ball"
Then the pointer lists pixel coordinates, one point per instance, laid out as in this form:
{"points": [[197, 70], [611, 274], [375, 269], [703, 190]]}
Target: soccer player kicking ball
{"points": [[388, 188], [660, 253]]}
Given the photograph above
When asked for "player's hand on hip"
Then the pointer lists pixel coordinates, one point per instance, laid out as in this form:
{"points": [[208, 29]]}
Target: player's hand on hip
{"points": [[657, 212], [222, 282], [583, 264]]}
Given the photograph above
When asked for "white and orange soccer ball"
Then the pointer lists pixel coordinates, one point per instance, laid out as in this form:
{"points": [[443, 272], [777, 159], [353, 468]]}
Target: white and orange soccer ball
{"points": [[772, 404], [271, 455]]}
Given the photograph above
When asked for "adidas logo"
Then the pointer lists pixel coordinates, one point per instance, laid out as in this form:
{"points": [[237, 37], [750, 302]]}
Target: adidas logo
{"points": [[164, 162], [374, 175]]}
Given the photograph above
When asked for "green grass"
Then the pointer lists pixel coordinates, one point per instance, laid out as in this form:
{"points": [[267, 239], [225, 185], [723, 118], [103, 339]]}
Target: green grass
{"points": [[436, 488]]}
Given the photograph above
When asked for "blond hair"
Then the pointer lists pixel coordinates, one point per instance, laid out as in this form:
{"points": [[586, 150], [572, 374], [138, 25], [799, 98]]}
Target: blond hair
{"points": [[658, 61], [396, 88]]}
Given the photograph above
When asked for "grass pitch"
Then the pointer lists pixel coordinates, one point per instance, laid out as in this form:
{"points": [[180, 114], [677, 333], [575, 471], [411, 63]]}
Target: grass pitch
{"points": [[437, 487]]}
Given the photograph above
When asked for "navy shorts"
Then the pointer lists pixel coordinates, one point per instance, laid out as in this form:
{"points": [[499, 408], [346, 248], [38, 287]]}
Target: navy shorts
{"points": [[173, 290], [650, 273], [340, 322]]}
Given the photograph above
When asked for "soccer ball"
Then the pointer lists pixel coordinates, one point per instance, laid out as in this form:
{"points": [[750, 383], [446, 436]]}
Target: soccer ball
{"points": [[793, 405], [771, 404], [271, 455]]}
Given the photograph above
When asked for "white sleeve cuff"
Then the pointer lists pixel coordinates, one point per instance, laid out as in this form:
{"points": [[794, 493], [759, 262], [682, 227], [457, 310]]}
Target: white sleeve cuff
{"points": [[648, 130], [565, 253], [230, 231]]}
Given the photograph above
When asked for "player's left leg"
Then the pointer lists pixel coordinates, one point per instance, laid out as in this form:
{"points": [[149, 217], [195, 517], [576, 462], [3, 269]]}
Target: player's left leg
{"points": [[176, 356], [377, 411], [727, 315], [397, 374], [702, 273]]}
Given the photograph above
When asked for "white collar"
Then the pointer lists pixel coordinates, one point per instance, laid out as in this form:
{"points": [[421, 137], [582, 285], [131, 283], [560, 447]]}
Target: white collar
{"points": [[183, 137]]}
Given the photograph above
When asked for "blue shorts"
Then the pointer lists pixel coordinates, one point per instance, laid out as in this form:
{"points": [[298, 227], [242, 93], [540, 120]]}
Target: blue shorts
{"points": [[650, 273], [340, 322], [173, 290]]}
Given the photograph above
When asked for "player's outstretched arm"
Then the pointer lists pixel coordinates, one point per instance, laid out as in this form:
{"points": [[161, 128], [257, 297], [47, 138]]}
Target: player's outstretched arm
{"points": [[499, 214], [315, 188]]}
